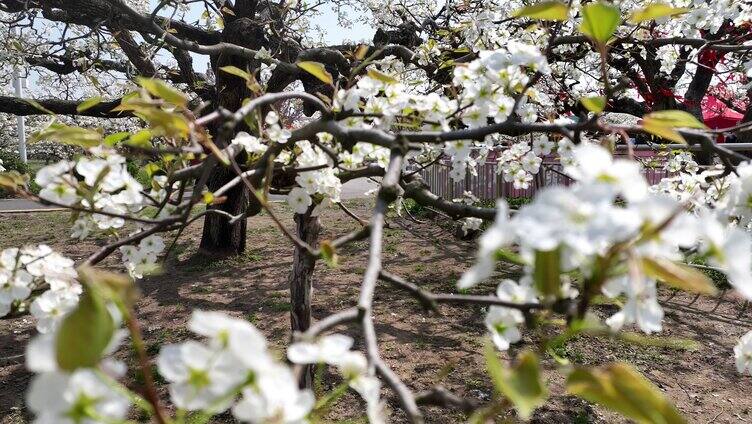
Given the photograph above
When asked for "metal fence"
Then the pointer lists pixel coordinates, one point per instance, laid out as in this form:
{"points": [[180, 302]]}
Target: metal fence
{"points": [[487, 184]]}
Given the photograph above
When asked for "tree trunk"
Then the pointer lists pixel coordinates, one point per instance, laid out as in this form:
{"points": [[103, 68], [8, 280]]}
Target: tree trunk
{"points": [[219, 237], [301, 276]]}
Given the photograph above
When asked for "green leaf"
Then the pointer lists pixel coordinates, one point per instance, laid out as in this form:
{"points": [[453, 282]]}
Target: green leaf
{"points": [[38, 106], [380, 76], [85, 333], [88, 104], [521, 384], [234, 70], [595, 104], [116, 138], [663, 342], [675, 119], [317, 70], [621, 388], [328, 253], [140, 139], [151, 168], [509, 256], [109, 285], [546, 10], [65, 134], [599, 21], [664, 122], [656, 11], [162, 122], [546, 275], [678, 275], [160, 89]]}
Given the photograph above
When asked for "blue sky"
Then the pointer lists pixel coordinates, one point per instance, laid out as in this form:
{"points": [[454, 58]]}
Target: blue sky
{"points": [[334, 33]]}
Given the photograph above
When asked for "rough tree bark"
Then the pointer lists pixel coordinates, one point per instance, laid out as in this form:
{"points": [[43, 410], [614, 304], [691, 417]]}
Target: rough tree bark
{"points": [[219, 237], [301, 277]]}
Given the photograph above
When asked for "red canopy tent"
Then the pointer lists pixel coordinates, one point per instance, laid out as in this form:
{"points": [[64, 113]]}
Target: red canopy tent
{"points": [[717, 115]]}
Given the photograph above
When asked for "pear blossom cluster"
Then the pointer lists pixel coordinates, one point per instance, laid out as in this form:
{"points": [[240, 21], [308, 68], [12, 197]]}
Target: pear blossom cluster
{"points": [[489, 82], [232, 368], [470, 224], [363, 153], [58, 395], [682, 161], [142, 258], [324, 181], [98, 182], [336, 350], [697, 189], [31, 268], [519, 163], [249, 143], [610, 215], [488, 85], [233, 360], [274, 130]]}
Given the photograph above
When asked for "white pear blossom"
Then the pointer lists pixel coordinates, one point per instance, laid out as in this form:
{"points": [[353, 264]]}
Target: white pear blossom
{"points": [[502, 324], [327, 349], [299, 200], [199, 376], [641, 306], [81, 397], [274, 398], [743, 354], [251, 144], [51, 307]]}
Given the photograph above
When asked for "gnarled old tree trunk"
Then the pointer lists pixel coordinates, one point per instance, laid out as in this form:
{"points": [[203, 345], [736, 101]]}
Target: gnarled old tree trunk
{"points": [[219, 236], [301, 277]]}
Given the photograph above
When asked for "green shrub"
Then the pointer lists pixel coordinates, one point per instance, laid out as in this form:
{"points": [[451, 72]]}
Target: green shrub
{"points": [[12, 162], [139, 173], [414, 208], [513, 202]]}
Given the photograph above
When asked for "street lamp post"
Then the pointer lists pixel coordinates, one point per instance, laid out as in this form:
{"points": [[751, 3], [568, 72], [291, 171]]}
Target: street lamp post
{"points": [[19, 83]]}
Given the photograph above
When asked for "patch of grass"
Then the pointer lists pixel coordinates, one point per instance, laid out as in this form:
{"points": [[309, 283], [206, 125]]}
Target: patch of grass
{"points": [[569, 351], [513, 202], [718, 278], [200, 288], [419, 268], [32, 228], [277, 306], [476, 384], [207, 263]]}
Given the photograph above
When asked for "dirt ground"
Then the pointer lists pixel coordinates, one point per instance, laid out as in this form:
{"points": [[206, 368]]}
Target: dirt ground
{"points": [[424, 350]]}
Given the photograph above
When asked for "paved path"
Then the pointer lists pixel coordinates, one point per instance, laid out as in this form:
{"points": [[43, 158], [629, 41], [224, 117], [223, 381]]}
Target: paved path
{"points": [[23, 205], [353, 189]]}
